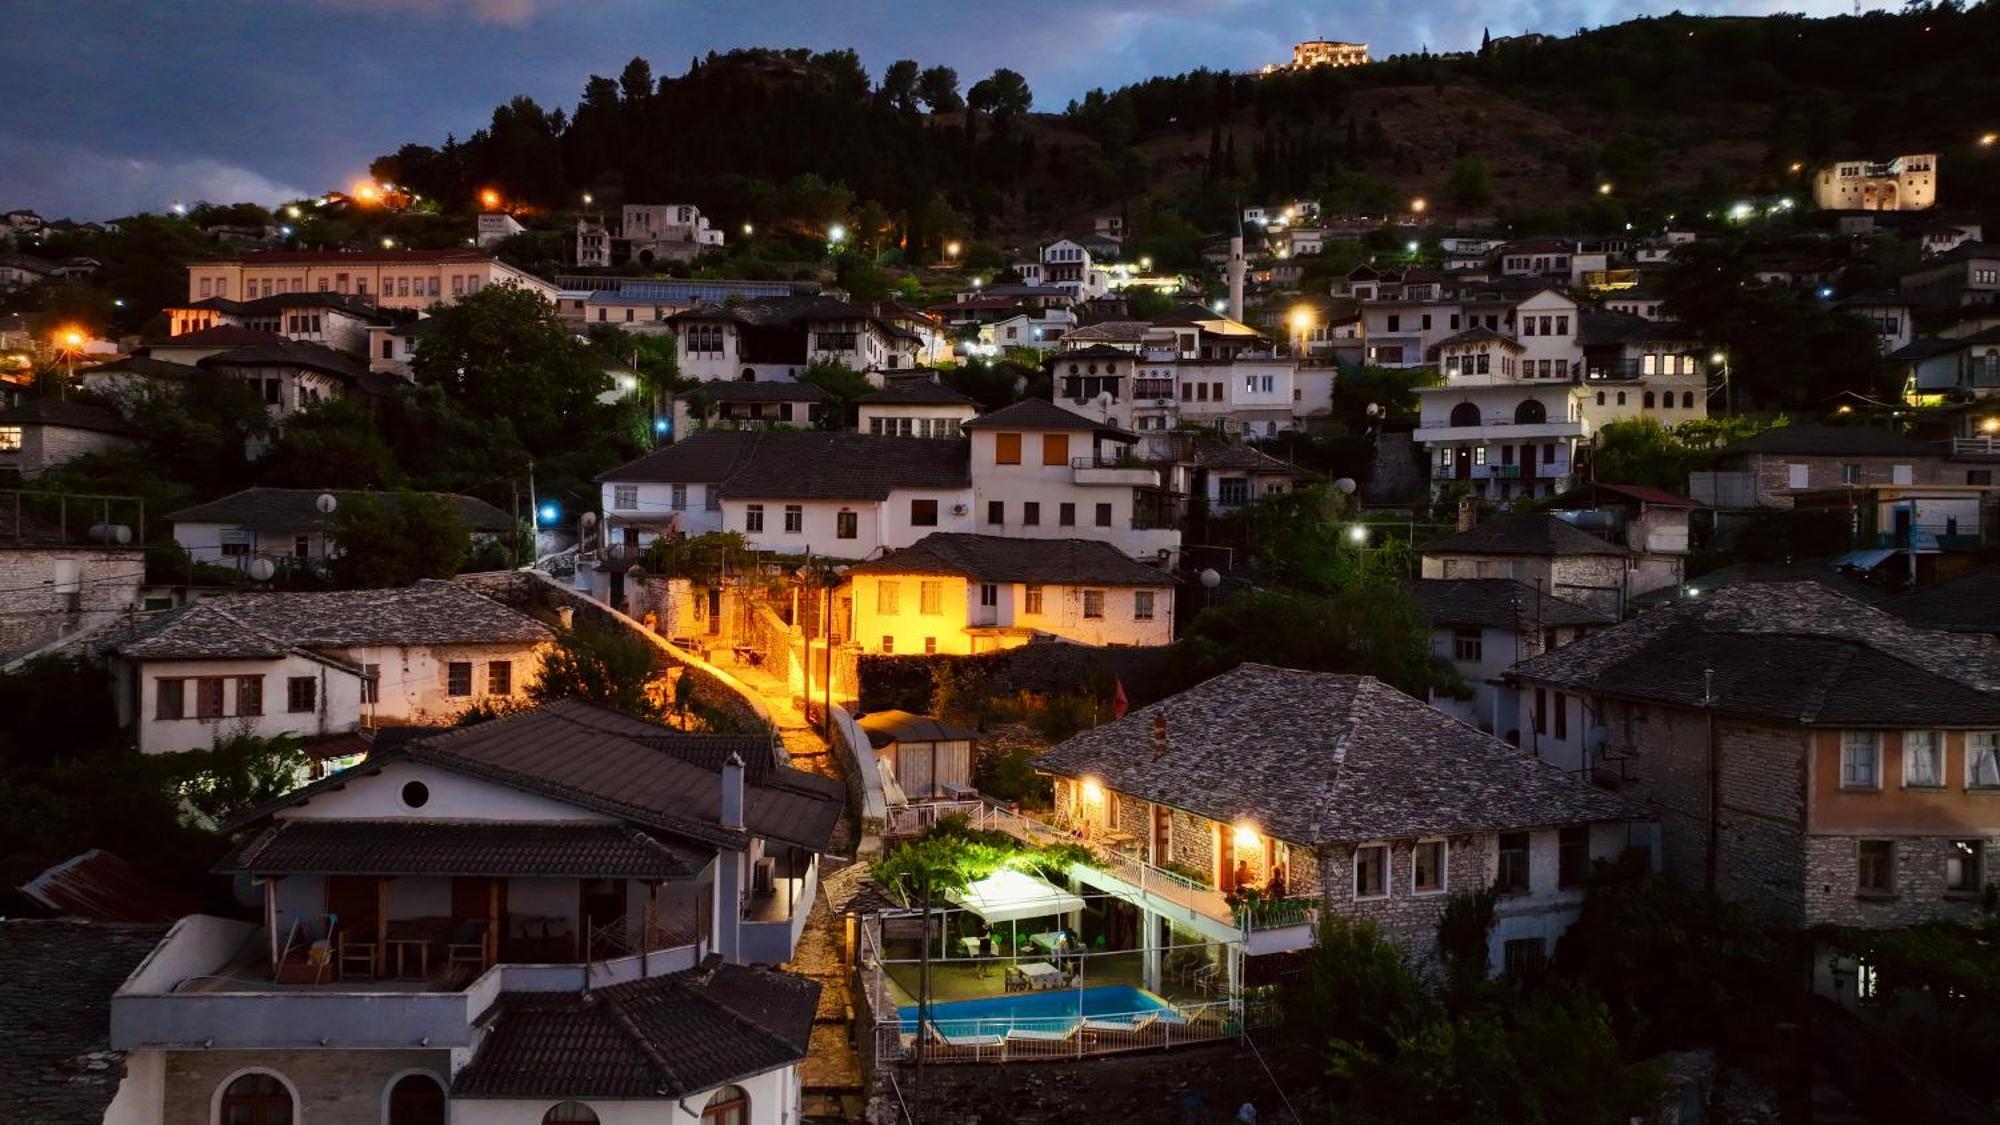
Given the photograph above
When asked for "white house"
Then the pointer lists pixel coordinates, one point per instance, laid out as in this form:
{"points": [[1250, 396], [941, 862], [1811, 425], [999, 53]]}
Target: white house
{"points": [[318, 664], [1483, 626], [441, 924], [959, 594], [1040, 471], [1067, 264], [41, 433], [287, 527], [915, 408]]}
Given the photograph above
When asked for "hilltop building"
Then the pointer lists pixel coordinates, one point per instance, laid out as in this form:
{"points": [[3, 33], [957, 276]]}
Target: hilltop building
{"points": [[1905, 183]]}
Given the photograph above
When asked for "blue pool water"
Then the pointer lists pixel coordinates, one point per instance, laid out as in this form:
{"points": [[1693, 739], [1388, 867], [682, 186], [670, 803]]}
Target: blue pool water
{"points": [[1053, 1010]]}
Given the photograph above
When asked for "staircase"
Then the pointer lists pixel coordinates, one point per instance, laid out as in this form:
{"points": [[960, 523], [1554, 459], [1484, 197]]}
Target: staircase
{"points": [[1395, 476]]}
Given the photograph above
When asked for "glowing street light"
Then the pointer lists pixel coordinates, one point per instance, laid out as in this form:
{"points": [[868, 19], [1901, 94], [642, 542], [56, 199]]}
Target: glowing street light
{"points": [[489, 199], [549, 513], [1989, 140], [179, 208], [388, 244], [1219, 305], [1717, 358], [293, 212], [285, 230], [1412, 247], [1302, 320], [1604, 189], [1417, 206], [1358, 534], [72, 339], [951, 249], [748, 230], [588, 199], [836, 234], [1798, 165], [367, 193], [1989, 425], [1145, 263]]}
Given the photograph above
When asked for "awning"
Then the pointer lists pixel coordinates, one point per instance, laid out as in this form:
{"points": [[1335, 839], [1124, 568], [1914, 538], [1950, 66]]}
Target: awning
{"points": [[1012, 896], [1865, 560]]}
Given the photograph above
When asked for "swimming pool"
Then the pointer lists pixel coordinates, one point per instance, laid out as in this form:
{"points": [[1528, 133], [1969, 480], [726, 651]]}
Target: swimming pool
{"points": [[1057, 1009]]}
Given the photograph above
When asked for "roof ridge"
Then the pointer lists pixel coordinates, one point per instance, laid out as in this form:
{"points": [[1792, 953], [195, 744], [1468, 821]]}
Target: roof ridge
{"points": [[625, 1023], [1815, 700]]}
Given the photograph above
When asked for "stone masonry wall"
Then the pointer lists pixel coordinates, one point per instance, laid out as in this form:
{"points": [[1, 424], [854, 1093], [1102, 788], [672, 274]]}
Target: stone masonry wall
{"points": [[1193, 841], [1407, 919], [1832, 869], [33, 614], [334, 1087]]}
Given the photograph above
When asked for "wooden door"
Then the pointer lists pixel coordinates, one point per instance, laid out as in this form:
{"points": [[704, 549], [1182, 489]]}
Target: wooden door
{"points": [[1225, 858], [1462, 462], [1163, 835]]}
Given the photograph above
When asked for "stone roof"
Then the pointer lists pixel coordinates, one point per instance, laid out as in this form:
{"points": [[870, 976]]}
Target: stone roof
{"points": [[1478, 335], [1037, 414], [56, 1062], [1498, 603], [281, 510], [924, 392], [703, 458], [1792, 652], [217, 336], [593, 757], [804, 465], [1092, 351], [142, 365], [269, 625], [580, 849], [659, 1038], [1970, 604], [1213, 451], [67, 415], [291, 353], [1119, 331], [739, 391], [996, 558], [1815, 440], [1318, 758], [1523, 533]]}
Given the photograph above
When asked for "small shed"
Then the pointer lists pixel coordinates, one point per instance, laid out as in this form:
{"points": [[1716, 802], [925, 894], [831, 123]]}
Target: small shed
{"points": [[929, 759]]}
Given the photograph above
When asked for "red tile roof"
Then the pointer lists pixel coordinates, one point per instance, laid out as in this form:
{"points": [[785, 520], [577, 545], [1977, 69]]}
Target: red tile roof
{"points": [[98, 886], [339, 257]]}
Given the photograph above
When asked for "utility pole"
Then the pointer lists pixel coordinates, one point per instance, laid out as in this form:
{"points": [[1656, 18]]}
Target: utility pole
{"points": [[534, 516]]}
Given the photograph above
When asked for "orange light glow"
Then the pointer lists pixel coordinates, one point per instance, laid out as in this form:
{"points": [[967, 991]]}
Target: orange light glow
{"points": [[367, 192], [489, 198]]}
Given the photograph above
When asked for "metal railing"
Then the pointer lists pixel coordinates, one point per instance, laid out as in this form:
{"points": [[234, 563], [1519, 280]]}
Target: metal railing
{"points": [[1983, 446], [1008, 1038], [1491, 420]]}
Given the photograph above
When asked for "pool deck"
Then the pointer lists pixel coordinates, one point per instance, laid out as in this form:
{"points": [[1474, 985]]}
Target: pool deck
{"points": [[968, 980]]}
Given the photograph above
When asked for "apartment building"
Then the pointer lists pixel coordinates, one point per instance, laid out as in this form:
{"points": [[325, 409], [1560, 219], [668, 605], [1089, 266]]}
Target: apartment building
{"points": [[391, 279]]}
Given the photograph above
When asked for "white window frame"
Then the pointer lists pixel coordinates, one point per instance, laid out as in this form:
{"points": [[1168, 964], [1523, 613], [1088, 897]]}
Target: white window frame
{"points": [[1874, 784], [1937, 775], [1976, 742], [1444, 866], [624, 497], [1388, 857]]}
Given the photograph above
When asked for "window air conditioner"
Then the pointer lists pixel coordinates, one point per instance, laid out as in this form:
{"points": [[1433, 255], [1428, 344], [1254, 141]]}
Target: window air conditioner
{"points": [[959, 509]]}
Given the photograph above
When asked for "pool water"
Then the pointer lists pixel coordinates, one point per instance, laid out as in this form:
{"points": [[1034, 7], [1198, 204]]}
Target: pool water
{"points": [[1056, 1009]]}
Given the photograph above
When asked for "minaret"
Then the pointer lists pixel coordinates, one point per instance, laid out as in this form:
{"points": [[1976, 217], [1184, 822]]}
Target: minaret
{"points": [[1236, 266]]}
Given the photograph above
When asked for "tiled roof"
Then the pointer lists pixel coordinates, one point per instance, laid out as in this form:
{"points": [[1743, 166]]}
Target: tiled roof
{"points": [[56, 1062], [924, 392], [1212, 451], [804, 465], [1498, 603], [1523, 533], [1318, 758], [658, 1038], [98, 886], [739, 391], [580, 849], [1814, 440], [1120, 331], [1797, 653], [597, 758], [267, 625], [1590, 491], [297, 509], [1094, 351], [219, 336], [339, 257], [290, 353], [143, 365], [1035, 414], [703, 458], [1964, 605], [995, 558], [68, 415]]}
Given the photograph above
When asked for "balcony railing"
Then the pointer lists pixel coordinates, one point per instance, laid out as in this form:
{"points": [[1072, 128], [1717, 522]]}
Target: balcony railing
{"points": [[1983, 446], [1507, 419], [1927, 537]]}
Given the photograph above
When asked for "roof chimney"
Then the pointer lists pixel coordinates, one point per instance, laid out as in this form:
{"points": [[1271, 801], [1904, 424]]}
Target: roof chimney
{"points": [[1468, 513], [732, 791], [1159, 737]]}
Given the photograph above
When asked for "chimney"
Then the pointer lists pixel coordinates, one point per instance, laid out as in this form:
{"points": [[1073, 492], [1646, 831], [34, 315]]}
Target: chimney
{"points": [[732, 791], [1468, 513], [1159, 737], [566, 616]]}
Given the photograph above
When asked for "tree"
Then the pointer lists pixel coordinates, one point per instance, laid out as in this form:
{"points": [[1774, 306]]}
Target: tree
{"points": [[1373, 629], [899, 85], [1470, 183], [336, 444], [1003, 95], [635, 83], [396, 541], [502, 353], [938, 87], [924, 872], [614, 669], [845, 384]]}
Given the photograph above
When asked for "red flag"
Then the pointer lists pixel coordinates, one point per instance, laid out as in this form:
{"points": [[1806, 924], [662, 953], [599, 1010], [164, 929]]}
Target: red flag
{"points": [[1119, 704]]}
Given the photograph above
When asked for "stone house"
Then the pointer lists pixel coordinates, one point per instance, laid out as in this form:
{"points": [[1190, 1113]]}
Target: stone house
{"points": [[1547, 553], [287, 526], [41, 433], [1346, 794], [1486, 625], [1820, 759], [1764, 470]]}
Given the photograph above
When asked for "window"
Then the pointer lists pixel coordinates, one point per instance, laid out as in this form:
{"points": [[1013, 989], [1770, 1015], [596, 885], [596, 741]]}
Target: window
{"points": [[1982, 759], [1965, 867], [1371, 871], [255, 1099], [208, 696], [1467, 644], [371, 683], [712, 499], [500, 677], [888, 597], [677, 497], [753, 518], [888, 645], [1066, 514], [930, 597], [1032, 601], [1523, 956], [569, 1113], [1850, 474], [1055, 449], [1541, 711], [1923, 759], [169, 699], [458, 678], [301, 695], [1875, 867], [846, 525], [1860, 759], [1142, 605], [1427, 867], [923, 513], [996, 512], [1561, 715], [989, 595], [930, 646], [1572, 855], [1513, 878], [625, 497], [1006, 449], [249, 695], [1104, 512], [1031, 513], [1093, 603], [795, 519]]}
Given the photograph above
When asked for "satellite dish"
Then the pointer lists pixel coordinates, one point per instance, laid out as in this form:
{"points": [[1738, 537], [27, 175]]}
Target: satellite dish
{"points": [[326, 503], [587, 519], [262, 569], [1344, 486], [1210, 578]]}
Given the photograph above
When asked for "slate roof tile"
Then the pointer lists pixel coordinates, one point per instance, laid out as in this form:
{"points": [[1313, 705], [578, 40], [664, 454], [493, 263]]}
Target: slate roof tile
{"points": [[583, 849], [1523, 533], [1498, 603], [995, 558], [56, 1062], [294, 510], [267, 625]]}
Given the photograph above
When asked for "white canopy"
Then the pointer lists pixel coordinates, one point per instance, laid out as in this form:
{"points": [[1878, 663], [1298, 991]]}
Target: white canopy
{"points": [[1008, 895]]}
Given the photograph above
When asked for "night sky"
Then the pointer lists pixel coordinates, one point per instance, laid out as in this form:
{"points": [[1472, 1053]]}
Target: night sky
{"points": [[119, 106]]}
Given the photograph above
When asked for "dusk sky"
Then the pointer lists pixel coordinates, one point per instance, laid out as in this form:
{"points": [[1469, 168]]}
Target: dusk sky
{"points": [[114, 106]]}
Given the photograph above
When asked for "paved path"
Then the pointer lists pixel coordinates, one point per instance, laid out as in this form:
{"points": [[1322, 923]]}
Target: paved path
{"points": [[832, 1080]]}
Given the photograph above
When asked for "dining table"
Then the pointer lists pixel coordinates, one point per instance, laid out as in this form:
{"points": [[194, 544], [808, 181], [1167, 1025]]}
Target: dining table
{"points": [[1041, 975]]}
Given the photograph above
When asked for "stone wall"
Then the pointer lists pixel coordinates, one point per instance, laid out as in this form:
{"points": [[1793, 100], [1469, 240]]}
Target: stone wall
{"points": [[32, 611], [1772, 472], [910, 682], [334, 1087], [1192, 841], [1831, 866], [1407, 919]]}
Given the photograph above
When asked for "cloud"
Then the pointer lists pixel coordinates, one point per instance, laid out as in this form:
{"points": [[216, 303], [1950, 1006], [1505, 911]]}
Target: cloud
{"points": [[506, 13], [64, 180]]}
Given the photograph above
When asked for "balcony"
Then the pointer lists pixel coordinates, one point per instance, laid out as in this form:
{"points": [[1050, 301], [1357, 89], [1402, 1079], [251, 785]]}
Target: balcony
{"points": [[1496, 427], [1926, 537], [1983, 446], [1099, 469]]}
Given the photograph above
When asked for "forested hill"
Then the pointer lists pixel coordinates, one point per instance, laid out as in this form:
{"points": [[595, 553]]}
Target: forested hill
{"points": [[1667, 108]]}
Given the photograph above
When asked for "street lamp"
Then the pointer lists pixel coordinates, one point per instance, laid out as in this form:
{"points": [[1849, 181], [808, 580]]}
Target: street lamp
{"points": [[951, 249], [1358, 534], [292, 212], [1604, 189], [489, 199], [748, 230], [388, 244], [1145, 263], [1989, 140], [1417, 206], [588, 199], [836, 234]]}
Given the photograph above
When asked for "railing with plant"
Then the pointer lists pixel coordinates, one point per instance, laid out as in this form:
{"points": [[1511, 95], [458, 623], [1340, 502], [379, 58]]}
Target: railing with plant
{"points": [[1254, 910]]}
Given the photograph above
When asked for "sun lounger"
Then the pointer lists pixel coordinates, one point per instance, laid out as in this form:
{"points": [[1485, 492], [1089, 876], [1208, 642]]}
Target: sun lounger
{"points": [[1041, 1036], [968, 1039], [1125, 1026]]}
